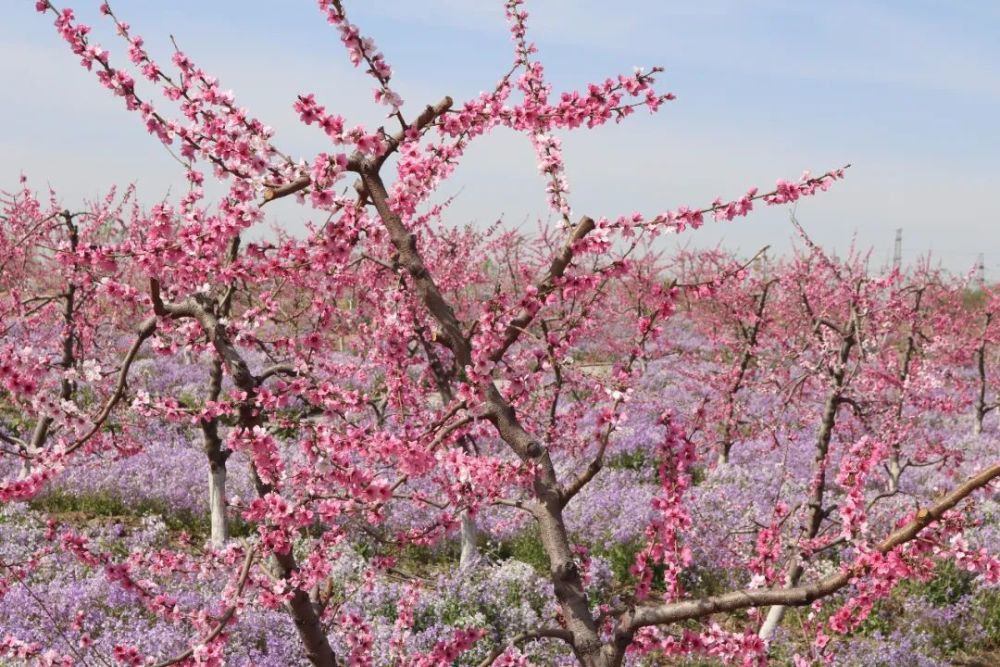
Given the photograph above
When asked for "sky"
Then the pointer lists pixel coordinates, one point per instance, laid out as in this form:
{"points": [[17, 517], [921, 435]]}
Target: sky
{"points": [[906, 91]]}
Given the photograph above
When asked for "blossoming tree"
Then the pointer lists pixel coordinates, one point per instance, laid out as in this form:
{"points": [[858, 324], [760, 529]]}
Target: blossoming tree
{"points": [[377, 363]]}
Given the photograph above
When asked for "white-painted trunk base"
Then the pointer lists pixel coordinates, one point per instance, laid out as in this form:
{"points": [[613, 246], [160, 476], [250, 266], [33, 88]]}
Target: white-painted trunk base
{"points": [[217, 505], [470, 541], [775, 615]]}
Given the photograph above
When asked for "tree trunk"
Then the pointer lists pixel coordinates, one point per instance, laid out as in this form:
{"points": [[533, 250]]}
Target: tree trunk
{"points": [[314, 640], [217, 504], [566, 579], [217, 456], [977, 428], [723, 459], [895, 470], [470, 541], [980, 407], [776, 613]]}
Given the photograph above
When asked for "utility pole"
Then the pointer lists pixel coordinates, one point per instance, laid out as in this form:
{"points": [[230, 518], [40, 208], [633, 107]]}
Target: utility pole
{"points": [[897, 253]]}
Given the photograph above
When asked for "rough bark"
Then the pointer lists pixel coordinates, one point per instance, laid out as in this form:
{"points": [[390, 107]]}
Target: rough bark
{"points": [[981, 409], [217, 457]]}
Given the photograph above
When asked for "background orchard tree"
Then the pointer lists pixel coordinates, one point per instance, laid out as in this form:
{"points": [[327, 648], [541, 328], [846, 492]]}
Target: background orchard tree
{"points": [[732, 314], [56, 276], [832, 328], [985, 332], [922, 304]]}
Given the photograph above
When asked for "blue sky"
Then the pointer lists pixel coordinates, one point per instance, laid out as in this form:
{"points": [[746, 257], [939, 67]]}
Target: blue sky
{"points": [[909, 92]]}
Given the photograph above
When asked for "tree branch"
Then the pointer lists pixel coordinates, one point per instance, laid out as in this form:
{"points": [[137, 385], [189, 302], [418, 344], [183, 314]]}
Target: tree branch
{"points": [[146, 329], [427, 116], [556, 270], [276, 369], [802, 595], [543, 633], [223, 620]]}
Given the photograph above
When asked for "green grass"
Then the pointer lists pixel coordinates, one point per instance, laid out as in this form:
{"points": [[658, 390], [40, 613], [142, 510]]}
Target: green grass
{"points": [[104, 505]]}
